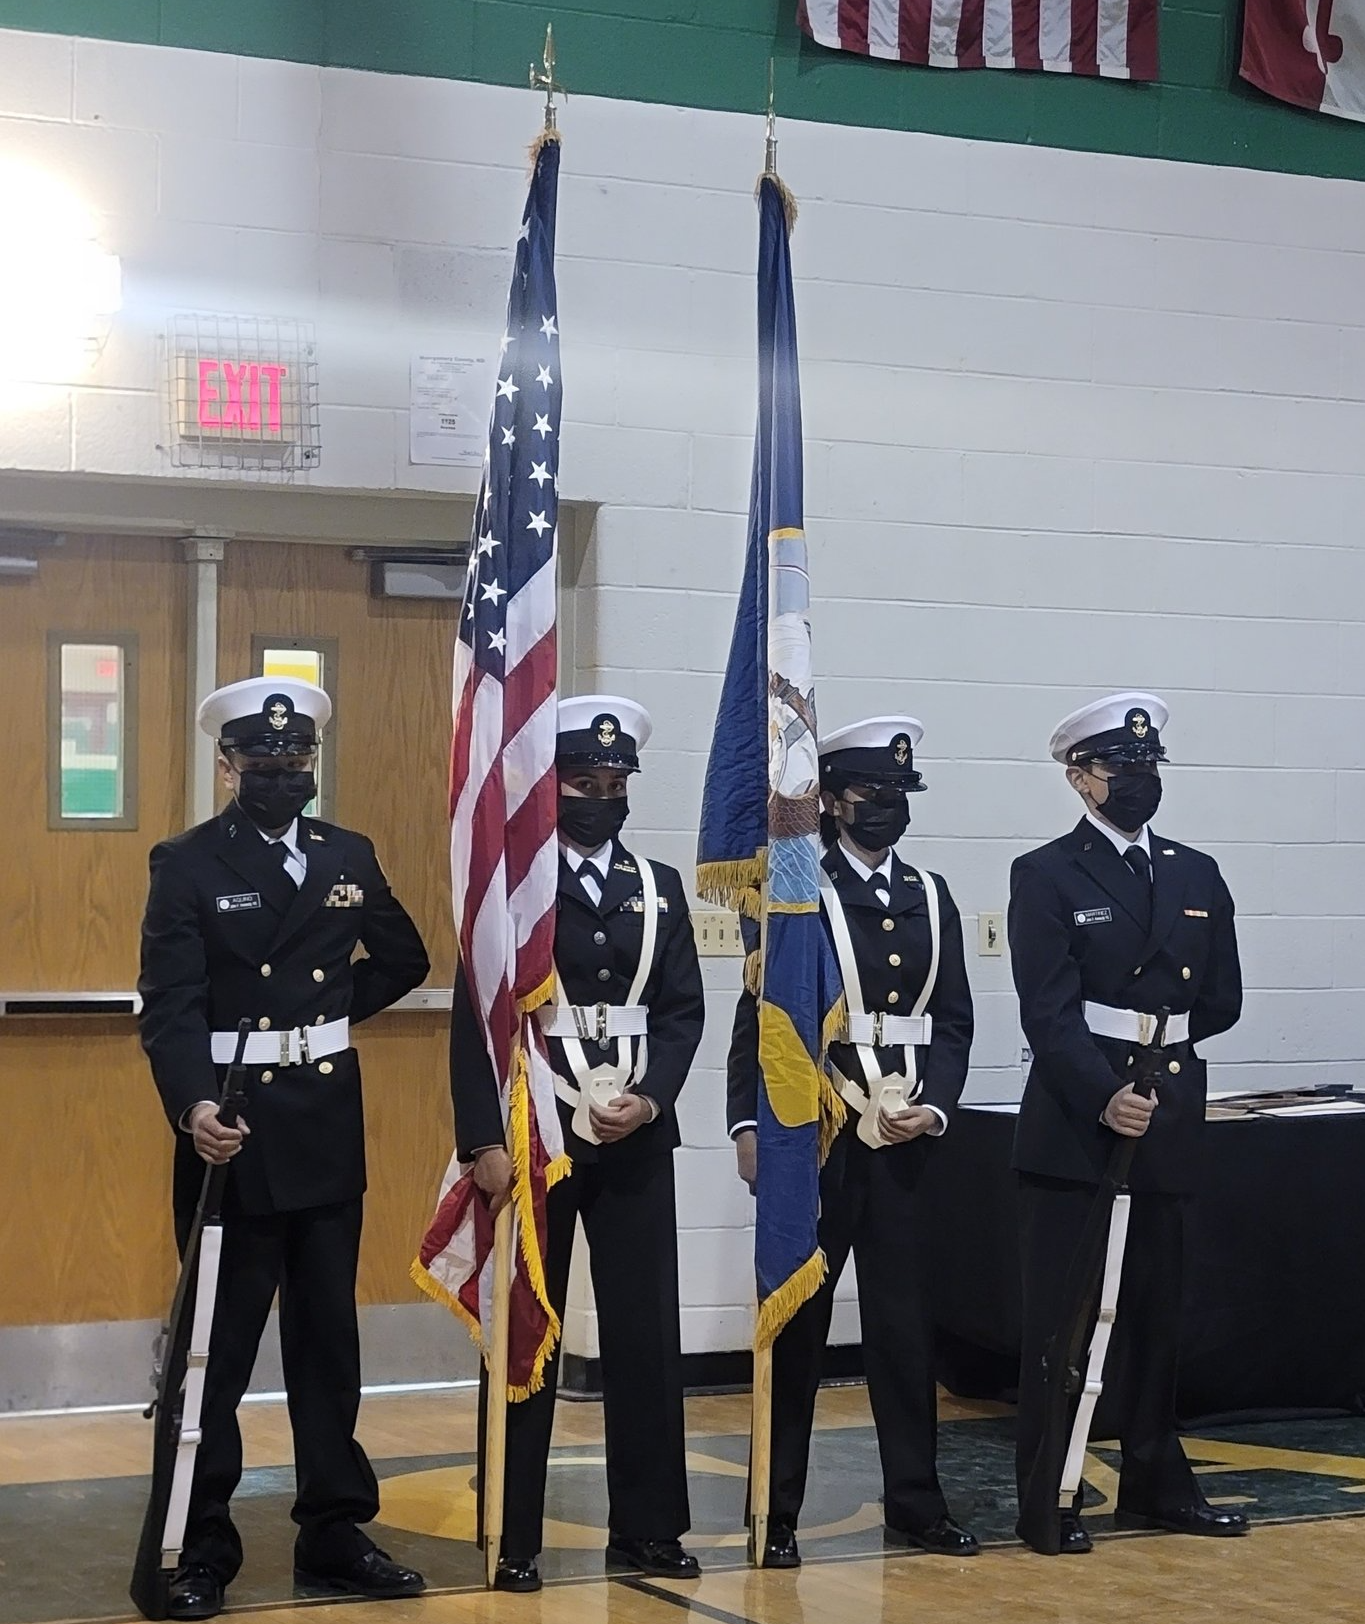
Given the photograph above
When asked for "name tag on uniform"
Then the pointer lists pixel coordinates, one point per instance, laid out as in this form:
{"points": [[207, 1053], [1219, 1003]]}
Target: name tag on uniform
{"points": [[247, 899], [344, 896], [1196, 913], [637, 905], [1093, 916]]}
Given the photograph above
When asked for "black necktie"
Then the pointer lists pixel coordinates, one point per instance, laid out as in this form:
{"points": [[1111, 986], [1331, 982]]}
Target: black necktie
{"points": [[1141, 865], [281, 852]]}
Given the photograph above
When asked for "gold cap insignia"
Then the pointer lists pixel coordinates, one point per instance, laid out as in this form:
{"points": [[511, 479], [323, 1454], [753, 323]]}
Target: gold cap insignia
{"points": [[606, 731], [279, 715], [1138, 723], [901, 750]]}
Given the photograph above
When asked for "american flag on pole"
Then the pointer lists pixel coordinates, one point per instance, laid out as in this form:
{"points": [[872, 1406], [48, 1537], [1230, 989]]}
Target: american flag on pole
{"points": [[1114, 38], [503, 854]]}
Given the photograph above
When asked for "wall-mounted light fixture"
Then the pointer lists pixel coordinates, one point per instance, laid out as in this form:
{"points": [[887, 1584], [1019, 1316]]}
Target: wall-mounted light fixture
{"points": [[59, 289]]}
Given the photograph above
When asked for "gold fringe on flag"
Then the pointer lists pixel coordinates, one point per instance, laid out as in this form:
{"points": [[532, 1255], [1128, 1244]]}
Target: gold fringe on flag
{"points": [[538, 996], [427, 1282], [735, 884], [777, 1308], [541, 142], [789, 206]]}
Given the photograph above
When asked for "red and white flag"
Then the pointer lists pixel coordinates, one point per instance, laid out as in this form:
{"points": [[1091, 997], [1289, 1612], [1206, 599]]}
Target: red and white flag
{"points": [[504, 857], [1114, 38], [1308, 52]]}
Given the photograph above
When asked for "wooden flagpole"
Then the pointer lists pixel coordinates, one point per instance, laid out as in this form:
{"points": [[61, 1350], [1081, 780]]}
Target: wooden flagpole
{"points": [[494, 1478]]}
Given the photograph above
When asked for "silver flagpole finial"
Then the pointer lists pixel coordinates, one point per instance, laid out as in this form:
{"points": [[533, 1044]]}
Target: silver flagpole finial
{"points": [[770, 157]]}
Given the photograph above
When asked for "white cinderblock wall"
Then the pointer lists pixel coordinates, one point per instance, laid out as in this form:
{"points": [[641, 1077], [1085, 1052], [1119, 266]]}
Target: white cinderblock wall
{"points": [[1073, 421]]}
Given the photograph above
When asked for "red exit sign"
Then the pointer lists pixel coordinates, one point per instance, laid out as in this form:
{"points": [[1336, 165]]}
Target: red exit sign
{"points": [[254, 403], [245, 396]]}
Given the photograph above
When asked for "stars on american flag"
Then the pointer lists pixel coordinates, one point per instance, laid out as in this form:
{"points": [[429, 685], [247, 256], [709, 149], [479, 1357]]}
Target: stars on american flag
{"points": [[515, 535]]}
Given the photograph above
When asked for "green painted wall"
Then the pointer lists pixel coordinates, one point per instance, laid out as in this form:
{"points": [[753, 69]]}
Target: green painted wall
{"points": [[714, 53]]}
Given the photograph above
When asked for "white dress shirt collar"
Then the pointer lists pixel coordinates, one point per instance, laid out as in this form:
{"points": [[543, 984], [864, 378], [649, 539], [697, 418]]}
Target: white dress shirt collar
{"points": [[1121, 842], [860, 868]]}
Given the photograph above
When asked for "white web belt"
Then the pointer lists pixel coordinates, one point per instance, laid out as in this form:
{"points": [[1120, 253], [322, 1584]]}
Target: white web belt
{"points": [[291, 1048], [1133, 1025]]}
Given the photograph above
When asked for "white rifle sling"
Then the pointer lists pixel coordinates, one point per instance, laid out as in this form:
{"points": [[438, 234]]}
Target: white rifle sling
{"points": [[1099, 1348], [614, 1076], [192, 1401], [857, 1008]]}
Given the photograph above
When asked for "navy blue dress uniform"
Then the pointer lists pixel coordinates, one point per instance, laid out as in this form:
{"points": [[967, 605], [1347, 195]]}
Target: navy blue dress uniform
{"points": [[871, 1201], [1106, 927], [609, 903], [245, 924]]}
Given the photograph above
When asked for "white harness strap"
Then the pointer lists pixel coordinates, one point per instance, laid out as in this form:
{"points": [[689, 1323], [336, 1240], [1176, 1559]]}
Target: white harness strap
{"points": [[613, 1077], [196, 1365], [1099, 1347], [853, 989]]}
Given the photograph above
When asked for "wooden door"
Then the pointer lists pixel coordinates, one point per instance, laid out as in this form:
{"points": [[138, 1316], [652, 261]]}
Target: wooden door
{"points": [[390, 676], [85, 1151]]}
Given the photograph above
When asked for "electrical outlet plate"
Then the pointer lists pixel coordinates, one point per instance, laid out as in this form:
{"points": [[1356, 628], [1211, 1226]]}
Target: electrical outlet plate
{"points": [[717, 933], [990, 935]]}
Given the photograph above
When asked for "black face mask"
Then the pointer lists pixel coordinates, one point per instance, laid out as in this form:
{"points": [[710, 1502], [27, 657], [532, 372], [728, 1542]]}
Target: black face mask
{"points": [[879, 822], [590, 821], [274, 800], [1132, 800]]}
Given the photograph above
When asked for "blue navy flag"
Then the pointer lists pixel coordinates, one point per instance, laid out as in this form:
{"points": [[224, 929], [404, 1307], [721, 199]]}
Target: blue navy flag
{"points": [[503, 852], [758, 849]]}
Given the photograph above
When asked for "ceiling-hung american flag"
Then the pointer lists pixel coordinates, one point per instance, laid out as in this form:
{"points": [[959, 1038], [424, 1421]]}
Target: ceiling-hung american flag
{"points": [[1308, 52], [1114, 38], [503, 854]]}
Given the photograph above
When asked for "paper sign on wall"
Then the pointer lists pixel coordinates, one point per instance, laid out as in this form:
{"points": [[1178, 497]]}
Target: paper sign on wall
{"points": [[448, 413]]}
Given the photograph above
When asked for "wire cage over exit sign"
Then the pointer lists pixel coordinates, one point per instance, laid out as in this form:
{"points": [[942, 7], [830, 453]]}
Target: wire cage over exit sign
{"points": [[243, 394]]}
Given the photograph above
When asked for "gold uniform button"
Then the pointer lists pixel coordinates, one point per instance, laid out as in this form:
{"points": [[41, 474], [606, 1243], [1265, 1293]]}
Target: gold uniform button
{"points": [[1174, 1068], [893, 998], [893, 959], [265, 969], [888, 924], [1186, 972], [267, 1076], [326, 1068], [264, 1023], [319, 976]]}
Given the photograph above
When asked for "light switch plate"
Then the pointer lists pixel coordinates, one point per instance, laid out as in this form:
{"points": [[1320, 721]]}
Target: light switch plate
{"points": [[717, 933], [990, 935]]}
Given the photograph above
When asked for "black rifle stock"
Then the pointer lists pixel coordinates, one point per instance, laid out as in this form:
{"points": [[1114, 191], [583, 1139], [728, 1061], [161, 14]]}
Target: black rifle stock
{"points": [[149, 1588], [1063, 1356]]}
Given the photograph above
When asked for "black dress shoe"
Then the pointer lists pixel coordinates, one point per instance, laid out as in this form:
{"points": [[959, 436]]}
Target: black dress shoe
{"points": [[942, 1538], [1074, 1541], [780, 1550], [517, 1573], [372, 1575], [662, 1558], [196, 1592], [1211, 1521]]}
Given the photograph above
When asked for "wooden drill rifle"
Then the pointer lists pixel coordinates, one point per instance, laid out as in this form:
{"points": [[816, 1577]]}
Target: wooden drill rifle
{"points": [[1093, 1276], [180, 1382]]}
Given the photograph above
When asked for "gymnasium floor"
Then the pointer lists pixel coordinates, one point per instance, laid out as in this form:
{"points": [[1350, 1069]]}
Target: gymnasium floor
{"points": [[72, 1489]]}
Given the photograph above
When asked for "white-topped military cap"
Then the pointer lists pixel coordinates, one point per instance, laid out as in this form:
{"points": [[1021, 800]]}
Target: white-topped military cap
{"points": [[879, 749], [1120, 727], [602, 730], [270, 713]]}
